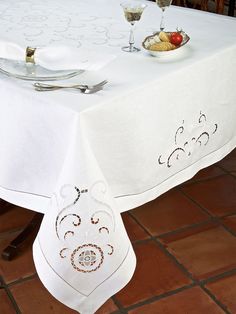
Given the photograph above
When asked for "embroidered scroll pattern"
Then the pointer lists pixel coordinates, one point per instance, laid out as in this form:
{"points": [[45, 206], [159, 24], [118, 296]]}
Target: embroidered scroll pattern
{"points": [[186, 149], [72, 25], [86, 257]]}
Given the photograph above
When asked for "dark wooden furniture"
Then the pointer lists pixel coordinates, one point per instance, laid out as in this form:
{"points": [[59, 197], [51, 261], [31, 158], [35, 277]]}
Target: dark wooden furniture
{"points": [[231, 7], [16, 245]]}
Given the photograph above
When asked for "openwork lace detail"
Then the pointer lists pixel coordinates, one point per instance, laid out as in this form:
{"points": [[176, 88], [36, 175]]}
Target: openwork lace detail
{"points": [[87, 258], [187, 148], [84, 257]]}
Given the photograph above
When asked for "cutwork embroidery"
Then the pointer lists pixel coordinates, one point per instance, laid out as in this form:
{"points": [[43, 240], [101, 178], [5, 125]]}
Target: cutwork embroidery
{"points": [[201, 140], [87, 257]]}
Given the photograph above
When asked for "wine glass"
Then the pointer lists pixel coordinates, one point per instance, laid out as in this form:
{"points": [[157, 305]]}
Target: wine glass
{"points": [[133, 10], [163, 4]]}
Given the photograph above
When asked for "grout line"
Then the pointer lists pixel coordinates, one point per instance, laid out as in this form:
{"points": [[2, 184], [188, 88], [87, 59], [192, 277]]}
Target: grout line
{"points": [[21, 280], [213, 297], [219, 276], [202, 283], [231, 231], [189, 275], [13, 301], [173, 232], [175, 260], [194, 181], [186, 228], [165, 251], [205, 210], [123, 311], [227, 171], [120, 312], [181, 229], [195, 202], [10, 296], [228, 215], [119, 305], [140, 225], [159, 297], [215, 218]]}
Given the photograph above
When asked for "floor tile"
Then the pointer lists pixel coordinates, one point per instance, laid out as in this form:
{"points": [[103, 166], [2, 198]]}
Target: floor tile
{"points": [[32, 297], [31, 294], [135, 232], [207, 173], [230, 221], [229, 162], [181, 234], [20, 267], [205, 253], [217, 195], [108, 308], [191, 301], [155, 274], [169, 212], [225, 291], [6, 306], [15, 218]]}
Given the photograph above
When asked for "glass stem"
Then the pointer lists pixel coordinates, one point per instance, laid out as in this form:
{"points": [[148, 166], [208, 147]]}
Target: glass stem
{"points": [[162, 25], [131, 37]]}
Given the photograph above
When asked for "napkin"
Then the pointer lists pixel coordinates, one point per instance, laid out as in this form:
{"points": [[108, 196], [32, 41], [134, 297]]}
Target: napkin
{"points": [[58, 57]]}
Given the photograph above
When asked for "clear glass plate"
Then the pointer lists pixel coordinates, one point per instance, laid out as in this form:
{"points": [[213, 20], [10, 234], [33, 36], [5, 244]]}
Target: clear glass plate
{"points": [[33, 72]]}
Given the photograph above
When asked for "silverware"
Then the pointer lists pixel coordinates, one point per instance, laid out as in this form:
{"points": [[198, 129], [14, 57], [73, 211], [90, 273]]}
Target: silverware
{"points": [[85, 89]]}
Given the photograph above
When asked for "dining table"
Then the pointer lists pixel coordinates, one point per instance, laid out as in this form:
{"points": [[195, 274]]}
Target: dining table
{"points": [[83, 159]]}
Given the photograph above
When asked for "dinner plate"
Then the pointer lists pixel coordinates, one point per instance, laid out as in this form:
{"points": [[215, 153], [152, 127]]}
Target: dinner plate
{"points": [[179, 50], [33, 72]]}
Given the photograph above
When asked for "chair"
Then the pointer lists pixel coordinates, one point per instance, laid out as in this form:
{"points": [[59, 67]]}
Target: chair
{"points": [[201, 4], [219, 6], [16, 245]]}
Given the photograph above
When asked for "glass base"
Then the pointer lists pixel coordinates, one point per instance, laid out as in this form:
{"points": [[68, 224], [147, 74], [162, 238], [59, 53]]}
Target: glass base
{"points": [[34, 72], [130, 49]]}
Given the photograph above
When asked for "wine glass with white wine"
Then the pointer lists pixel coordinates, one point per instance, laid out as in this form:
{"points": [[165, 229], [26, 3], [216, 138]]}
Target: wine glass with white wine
{"points": [[163, 4], [133, 11]]}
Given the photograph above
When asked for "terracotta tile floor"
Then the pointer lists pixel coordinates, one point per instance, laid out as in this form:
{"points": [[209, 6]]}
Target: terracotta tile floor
{"points": [[185, 243]]}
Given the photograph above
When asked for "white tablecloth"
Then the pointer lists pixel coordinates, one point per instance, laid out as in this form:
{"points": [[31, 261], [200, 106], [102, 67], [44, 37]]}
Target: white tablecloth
{"points": [[83, 159]]}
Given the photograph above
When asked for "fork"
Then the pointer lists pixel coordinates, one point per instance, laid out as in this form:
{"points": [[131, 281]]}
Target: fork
{"points": [[85, 89]]}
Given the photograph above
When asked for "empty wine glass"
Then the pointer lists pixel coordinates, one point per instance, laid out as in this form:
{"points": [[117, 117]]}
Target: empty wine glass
{"points": [[163, 4], [133, 11]]}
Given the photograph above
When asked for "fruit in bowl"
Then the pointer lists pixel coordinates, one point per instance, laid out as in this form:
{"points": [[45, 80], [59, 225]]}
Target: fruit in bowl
{"points": [[176, 38], [165, 41]]}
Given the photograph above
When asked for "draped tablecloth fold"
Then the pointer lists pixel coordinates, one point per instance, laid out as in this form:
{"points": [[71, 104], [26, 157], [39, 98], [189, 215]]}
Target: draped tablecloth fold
{"points": [[157, 122]]}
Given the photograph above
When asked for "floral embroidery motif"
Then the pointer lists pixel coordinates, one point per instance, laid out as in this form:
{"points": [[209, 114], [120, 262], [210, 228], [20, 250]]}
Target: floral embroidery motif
{"points": [[186, 149], [87, 257], [60, 220]]}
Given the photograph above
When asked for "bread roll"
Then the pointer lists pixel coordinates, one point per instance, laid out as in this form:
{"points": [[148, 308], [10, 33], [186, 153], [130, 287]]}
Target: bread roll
{"points": [[162, 46], [164, 37]]}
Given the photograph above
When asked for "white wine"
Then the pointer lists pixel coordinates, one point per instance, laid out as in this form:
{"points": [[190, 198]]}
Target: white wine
{"points": [[133, 15], [133, 11], [163, 3]]}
